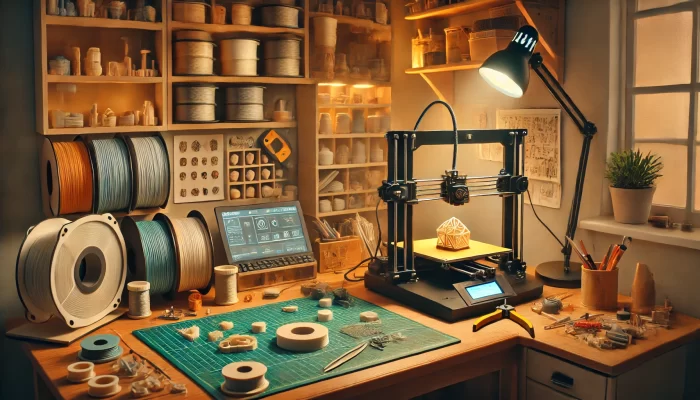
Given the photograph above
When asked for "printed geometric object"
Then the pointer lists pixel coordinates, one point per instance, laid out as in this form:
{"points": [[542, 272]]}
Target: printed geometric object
{"points": [[453, 235]]}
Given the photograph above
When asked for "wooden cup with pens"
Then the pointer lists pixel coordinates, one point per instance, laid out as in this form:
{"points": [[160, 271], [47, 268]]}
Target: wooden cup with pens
{"points": [[599, 280]]}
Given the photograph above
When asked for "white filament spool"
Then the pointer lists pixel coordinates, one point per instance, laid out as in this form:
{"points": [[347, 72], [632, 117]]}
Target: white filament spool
{"points": [[302, 337], [244, 378], [139, 299], [104, 386], [225, 286], [72, 270], [80, 372]]}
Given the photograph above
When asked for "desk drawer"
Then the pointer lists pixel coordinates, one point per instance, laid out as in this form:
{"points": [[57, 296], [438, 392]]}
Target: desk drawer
{"points": [[536, 391], [565, 377]]}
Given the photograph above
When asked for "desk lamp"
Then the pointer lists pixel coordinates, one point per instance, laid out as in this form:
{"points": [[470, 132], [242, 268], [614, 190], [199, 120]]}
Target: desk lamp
{"points": [[508, 72]]}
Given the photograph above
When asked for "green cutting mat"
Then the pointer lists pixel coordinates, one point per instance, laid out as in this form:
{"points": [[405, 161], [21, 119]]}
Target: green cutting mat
{"points": [[201, 361]]}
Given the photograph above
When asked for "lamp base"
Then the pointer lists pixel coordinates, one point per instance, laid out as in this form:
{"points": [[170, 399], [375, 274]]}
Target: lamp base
{"points": [[553, 274]]}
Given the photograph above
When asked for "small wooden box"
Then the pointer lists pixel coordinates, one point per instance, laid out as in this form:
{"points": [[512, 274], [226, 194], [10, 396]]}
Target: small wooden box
{"points": [[599, 289], [276, 276], [338, 255]]}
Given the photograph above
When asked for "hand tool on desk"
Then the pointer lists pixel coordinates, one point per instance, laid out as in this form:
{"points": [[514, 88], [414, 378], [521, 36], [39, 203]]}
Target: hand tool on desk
{"points": [[347, 356], [504, 311], [583, 317]]}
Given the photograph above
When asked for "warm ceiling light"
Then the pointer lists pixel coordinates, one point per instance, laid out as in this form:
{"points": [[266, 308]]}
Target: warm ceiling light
{"points": [[363, 86], [332, 84]]}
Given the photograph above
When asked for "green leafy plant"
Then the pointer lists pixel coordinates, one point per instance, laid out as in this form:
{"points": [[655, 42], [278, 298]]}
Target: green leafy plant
{"points": [[633, 170]]}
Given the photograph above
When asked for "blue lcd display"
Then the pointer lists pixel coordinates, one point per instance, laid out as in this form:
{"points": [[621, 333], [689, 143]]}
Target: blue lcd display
{"points": [[484, 290]]}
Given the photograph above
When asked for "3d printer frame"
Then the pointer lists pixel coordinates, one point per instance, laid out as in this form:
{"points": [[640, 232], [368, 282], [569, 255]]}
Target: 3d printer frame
{"points": [[402, 191]]}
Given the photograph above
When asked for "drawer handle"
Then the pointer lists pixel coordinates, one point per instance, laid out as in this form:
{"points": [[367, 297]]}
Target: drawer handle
{"points": [[562, 380]]}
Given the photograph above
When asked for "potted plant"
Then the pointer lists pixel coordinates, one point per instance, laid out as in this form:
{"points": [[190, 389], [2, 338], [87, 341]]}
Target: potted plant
{"points": [[632, 175]]}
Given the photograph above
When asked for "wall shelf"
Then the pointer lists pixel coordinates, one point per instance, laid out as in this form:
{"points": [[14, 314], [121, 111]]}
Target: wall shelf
{"points": [[242, 79], [101, 129], [356, 22], [102, 23], [102, 79], [462, 66], [351, 166], [228, 28], [354, 106], [232, 125], [465, 7], [351, 82], [352, 135]]}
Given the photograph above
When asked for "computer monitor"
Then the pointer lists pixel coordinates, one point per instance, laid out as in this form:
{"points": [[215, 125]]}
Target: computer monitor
{"points": [[262, 231]]}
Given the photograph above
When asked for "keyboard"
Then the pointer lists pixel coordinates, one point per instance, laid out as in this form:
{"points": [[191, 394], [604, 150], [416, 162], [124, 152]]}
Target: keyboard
{"points": [[260, 265]]}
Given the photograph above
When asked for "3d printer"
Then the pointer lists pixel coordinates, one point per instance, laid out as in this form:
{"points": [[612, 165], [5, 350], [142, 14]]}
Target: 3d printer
{"points": [[452, 285]]}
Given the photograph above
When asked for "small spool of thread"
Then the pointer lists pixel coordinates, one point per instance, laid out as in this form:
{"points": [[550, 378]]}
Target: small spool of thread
{"points": [[194, 301], [139, 299], [104, 386], [324, 315], [551, 306], [80, 371], [225, 287], [244, 378], [100, 348]]}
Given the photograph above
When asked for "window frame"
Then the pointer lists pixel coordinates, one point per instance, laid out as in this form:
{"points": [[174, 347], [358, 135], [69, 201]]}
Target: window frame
{"points": [[692, 140]]}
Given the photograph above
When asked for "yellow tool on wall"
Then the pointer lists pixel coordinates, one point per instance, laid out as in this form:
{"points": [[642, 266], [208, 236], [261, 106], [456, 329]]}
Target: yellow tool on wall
{"points": [[276, 146], [505, 311]]}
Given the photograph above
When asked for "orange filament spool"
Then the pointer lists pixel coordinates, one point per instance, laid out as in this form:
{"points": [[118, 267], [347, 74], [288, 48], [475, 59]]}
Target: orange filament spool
{"points": [[67, 179]]}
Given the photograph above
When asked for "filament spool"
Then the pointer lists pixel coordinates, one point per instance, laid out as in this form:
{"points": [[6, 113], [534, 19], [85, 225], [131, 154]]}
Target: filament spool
{"points": [[194, 252], [80, 372], [150, 253], [72, 270], [244, 378], [67, 179], [226, 286], [151, 172], [139, 299], [100, 349], [113, 172]]}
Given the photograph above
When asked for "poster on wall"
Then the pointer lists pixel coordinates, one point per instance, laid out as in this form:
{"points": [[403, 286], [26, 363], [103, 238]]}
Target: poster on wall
{"points": [[199, 168], [542, 151]]}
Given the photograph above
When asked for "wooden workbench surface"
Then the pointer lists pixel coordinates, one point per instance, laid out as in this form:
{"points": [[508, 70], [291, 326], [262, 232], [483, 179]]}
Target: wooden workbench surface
{"points": [[494, 345]]}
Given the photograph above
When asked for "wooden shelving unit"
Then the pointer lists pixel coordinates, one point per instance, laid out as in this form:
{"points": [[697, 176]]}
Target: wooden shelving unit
{"points": [[233, 125], [355, 22], [354, 106], [228, 28], [268, 80], [547, 17], [56, 35]]}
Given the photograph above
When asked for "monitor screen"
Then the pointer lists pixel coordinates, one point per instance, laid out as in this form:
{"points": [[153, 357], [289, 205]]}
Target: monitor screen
{"points": [[484, 290], [252, 233]]}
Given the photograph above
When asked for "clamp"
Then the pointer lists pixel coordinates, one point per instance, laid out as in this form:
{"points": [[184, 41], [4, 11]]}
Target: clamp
{"points": [[504, 311]]}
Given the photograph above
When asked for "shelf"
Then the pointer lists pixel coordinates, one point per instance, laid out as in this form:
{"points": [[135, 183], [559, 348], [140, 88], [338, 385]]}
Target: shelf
{"points": [[465, 65], [348, 81], [233, 125], [102, 79], [354, 105], [85, 22], [242, 79], [349, 211], [254, 29], [467, 6], [356, 22], [102, 129], [353, 135], [348, 166], [348, 192]]}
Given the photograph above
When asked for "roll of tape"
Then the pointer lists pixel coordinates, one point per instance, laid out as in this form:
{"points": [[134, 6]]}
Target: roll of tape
{"points": [[80, 371], [73, 270], [244, 378], [302, 337], [104, 386]]}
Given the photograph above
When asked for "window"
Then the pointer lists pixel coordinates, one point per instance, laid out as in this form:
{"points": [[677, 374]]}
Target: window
{"points": [[661, 99]]}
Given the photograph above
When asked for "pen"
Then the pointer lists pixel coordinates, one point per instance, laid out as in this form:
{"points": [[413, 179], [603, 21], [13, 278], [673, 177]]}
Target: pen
{"points": [[587, 254], [616, 257]]}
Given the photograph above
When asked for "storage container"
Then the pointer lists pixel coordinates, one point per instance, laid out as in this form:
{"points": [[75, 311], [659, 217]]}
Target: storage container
{"points": [[239, 67], [245, 95], [325, 31], [483, 44], [195, 112], [599, 289], [457, 43], [338, 255], [282, 48], [282, 66], [280, 15], [190, 11], [195, 94], [241, 14], [244, 112], [239, 49]]}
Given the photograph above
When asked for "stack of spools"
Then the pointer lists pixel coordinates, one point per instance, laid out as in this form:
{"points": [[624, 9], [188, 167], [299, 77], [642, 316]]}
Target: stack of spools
{"points": [[244, 103], [283, 56], [190, 11], [325, 37], [104, 175], [195, 103], [239, 57], [172, 254], [280, 13], [241, 13], [194, 53]]}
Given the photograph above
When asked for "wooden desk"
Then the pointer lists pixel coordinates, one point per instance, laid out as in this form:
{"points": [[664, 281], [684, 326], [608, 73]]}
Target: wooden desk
{"points": [[497, 347]]}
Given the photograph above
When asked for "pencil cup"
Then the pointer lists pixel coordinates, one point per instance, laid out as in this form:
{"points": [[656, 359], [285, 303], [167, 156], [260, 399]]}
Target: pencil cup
{"points": [[599, 289]]}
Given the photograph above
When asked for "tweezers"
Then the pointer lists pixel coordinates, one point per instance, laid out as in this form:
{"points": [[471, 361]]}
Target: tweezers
{"points": [[349, 355]]}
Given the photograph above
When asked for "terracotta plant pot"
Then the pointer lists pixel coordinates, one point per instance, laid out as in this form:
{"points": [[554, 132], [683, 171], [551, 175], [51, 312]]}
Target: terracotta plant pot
{"points": [[632, 206]]}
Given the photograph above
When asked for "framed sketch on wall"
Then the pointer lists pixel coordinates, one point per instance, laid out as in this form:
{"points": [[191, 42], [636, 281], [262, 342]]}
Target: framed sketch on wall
{"points": [[542, 151]]}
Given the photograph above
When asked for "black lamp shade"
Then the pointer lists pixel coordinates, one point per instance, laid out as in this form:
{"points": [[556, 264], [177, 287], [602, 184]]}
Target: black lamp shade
{"points": [[508, 71]]}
